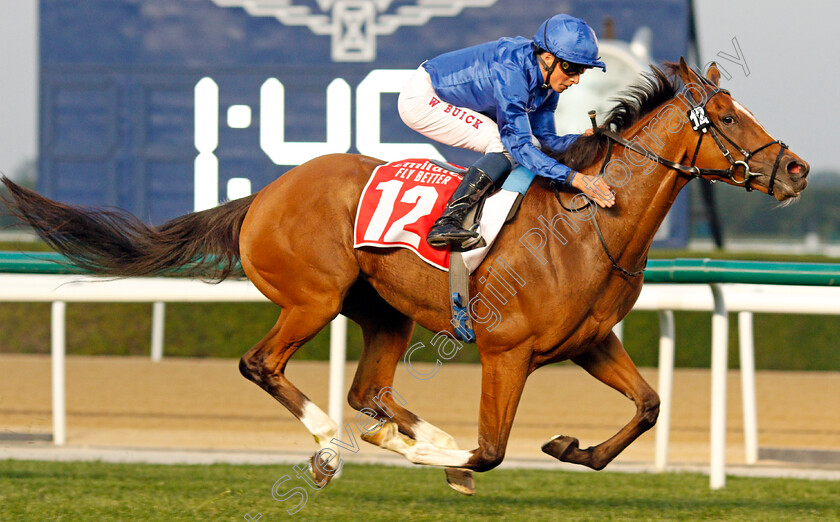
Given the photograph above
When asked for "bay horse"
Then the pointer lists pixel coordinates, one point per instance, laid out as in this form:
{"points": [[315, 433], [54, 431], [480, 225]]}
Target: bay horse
{"points": [[572, 286]]}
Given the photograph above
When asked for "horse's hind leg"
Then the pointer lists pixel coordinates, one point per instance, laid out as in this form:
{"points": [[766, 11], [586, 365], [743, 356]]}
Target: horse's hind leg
{"points": [[265, 364], [386, 336], [609, 363]]}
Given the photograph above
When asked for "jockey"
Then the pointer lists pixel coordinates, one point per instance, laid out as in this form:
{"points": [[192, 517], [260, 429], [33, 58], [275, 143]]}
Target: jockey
{"points": [[499, 99]]}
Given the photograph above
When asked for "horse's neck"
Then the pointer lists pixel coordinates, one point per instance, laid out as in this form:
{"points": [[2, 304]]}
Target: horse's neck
{"points": [[645, 199]]}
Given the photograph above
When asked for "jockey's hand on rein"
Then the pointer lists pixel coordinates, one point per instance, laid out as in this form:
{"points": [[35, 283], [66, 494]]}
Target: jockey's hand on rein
{"points": [[596, 188]]}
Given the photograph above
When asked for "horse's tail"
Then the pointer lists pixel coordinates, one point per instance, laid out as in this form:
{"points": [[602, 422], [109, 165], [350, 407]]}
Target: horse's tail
{"points": [[115, 243]]}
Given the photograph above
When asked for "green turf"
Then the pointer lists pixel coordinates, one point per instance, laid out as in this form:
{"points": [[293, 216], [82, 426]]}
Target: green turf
{"points": [[100, 491]]}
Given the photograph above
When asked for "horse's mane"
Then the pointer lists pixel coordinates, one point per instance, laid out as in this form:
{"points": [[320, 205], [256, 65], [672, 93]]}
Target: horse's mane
{"points": [[655, 88]]}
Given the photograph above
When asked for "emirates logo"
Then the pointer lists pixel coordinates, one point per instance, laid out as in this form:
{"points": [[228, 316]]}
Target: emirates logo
{"points": [[354, 25]]}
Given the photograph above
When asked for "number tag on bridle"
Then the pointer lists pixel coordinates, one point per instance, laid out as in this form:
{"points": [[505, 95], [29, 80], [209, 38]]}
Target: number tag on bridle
{"points": [[699, 118]]}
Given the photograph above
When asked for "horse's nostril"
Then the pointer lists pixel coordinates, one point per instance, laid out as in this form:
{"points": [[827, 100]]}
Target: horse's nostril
{"points": [[795, 168]]}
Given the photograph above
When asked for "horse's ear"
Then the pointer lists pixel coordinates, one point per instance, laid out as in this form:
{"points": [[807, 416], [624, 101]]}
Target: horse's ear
{"points": [[689, 76], [714, 74], [685, 72]]}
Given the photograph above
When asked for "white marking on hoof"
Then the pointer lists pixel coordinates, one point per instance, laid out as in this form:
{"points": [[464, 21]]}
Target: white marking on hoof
{"points": [[319, 424], [324, 429], [459, 479], [426, 432], [425, 453]]}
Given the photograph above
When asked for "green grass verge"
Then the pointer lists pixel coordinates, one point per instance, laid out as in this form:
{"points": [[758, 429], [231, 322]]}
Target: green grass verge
{"points": [[783, 342], [101, 491]]}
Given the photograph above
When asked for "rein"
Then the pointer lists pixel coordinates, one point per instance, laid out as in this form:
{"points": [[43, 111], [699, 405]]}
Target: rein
{"points": [[700, 123], [555, 187]]}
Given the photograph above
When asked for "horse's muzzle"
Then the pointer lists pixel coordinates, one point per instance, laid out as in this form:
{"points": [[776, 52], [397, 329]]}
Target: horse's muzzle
{"points": [[790, 174]]}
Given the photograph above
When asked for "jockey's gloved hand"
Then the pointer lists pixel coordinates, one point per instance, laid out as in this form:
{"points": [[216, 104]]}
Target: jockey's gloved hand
{"points": [[596, 188]]}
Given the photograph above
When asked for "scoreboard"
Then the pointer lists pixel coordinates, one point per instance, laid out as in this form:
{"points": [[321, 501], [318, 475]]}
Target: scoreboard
{"points": [[162, 107]]}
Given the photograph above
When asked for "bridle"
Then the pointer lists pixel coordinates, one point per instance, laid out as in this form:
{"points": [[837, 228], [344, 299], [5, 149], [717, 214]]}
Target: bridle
{"points": [[701, 123]]}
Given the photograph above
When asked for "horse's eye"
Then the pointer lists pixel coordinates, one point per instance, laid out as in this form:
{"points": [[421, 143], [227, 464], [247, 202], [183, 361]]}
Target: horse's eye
{"points": [[727, 120]]}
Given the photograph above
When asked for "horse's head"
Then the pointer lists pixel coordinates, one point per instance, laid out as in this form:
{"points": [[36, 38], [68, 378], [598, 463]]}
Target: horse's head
{"points": [[735, 144]]}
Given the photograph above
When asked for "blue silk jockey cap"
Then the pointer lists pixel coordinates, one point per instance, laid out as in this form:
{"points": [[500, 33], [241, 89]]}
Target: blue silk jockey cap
{"points": [[570, 39]]}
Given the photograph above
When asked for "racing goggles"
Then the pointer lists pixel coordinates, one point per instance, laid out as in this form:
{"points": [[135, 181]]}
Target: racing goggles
{"points": [[572, 69]]}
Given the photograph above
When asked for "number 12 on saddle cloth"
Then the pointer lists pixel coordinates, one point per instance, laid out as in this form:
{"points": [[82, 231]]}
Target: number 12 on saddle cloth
{"points": [[399, 205]]}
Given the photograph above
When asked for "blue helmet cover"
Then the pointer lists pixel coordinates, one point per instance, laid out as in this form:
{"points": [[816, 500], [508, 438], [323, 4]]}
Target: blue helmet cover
{"points": [[570, 39]]}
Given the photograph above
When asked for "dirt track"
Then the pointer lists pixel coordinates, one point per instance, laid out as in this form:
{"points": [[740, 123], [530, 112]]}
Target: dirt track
{"points": [[189, 403]]}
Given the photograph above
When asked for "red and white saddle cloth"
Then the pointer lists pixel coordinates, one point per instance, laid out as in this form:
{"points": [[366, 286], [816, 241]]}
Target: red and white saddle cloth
{"points": [[401, 202]]}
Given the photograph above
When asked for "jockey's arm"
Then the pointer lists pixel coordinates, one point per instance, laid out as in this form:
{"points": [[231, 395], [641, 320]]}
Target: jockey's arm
{"points": [[544, 129], [511, 94], [524, 152]]}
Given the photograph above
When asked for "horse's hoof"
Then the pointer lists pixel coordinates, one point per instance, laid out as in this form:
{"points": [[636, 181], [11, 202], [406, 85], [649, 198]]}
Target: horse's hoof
{"points": [[321, 472], [461, 480], [560, 446], [388, 430]]}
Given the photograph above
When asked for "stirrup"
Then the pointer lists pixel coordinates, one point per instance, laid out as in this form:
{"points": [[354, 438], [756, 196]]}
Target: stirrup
{"points": [[471, 243], [459, 244], [446, 239]]}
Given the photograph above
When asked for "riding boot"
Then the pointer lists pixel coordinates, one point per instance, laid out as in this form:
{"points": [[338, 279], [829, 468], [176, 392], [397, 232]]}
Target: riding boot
{"points": [[448, 228], [478, 179]]}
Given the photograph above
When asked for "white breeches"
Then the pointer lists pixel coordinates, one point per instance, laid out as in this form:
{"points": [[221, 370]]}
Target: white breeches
{"points": [[422, 110]]}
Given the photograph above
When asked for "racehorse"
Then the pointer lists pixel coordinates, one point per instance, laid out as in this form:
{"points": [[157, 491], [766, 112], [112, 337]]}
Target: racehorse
{"points": [[572, 284]]}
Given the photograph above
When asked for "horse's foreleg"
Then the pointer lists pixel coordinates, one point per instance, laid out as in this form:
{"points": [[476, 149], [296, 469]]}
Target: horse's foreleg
{"points": [[609, 363], [387, 334], [503, 378], [265, 364]]}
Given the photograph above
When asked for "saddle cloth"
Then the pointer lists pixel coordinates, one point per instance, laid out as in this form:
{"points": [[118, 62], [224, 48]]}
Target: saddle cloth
{"points": [[402, 200]]}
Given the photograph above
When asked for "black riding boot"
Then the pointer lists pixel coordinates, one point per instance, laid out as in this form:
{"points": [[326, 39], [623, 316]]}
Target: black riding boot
{"points": [[448, 228]]}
